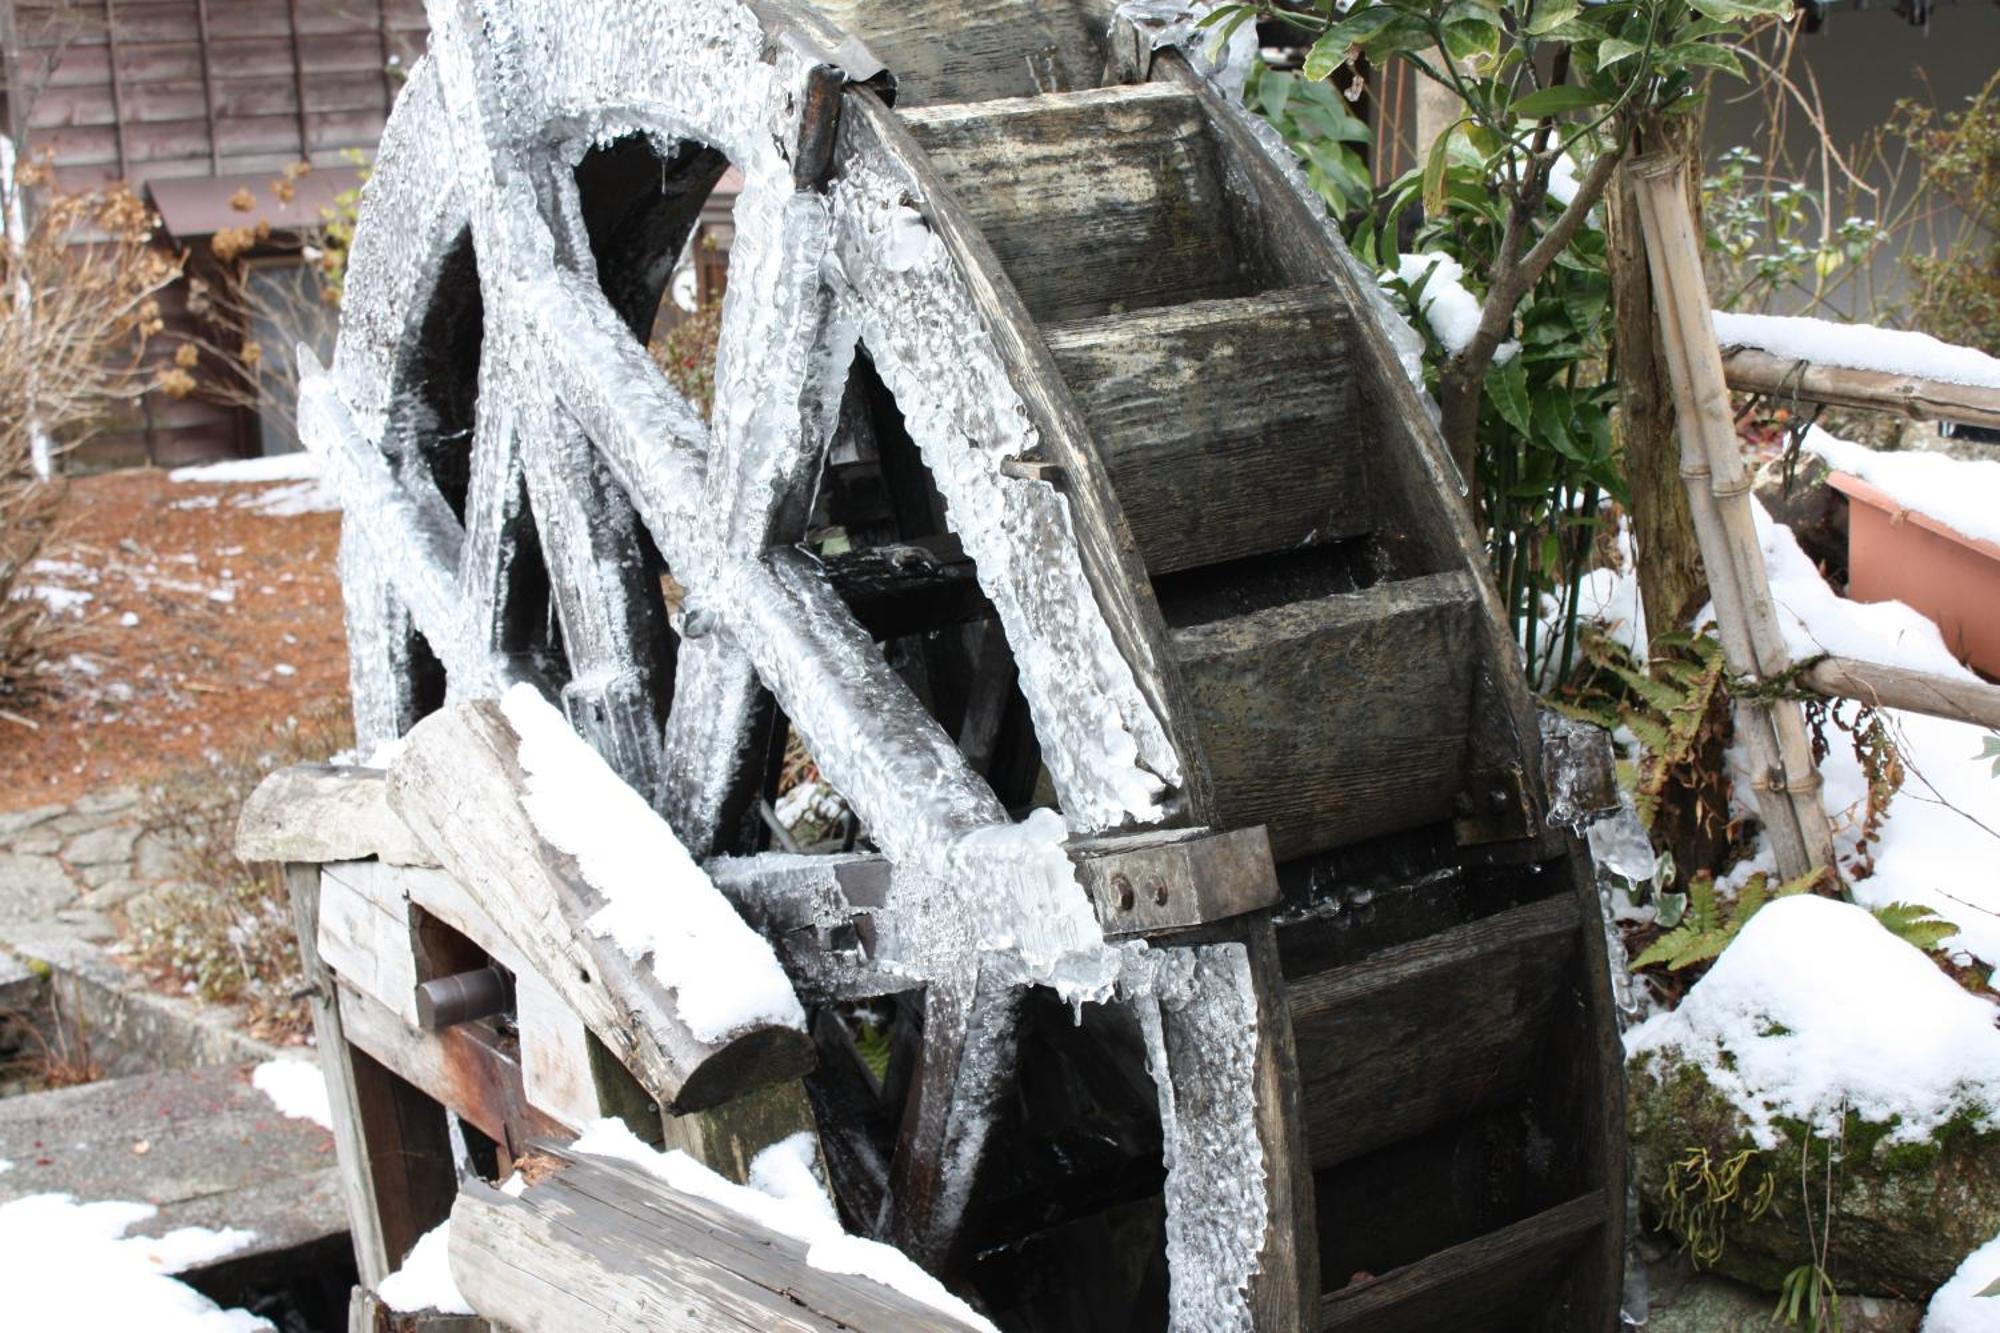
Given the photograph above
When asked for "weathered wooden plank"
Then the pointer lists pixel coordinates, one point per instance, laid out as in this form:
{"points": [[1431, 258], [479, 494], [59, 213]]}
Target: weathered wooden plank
{"points": [[460, 786], [1387, 1049], [336, 1060], [600, 1245], [1482, 1284], [1095, 200], [1415, 486], [1338, 718], [365, 937], [1110, 558], [1229, 426], [1151, 882], [943, 51], [325, 812], [469, 1068]]}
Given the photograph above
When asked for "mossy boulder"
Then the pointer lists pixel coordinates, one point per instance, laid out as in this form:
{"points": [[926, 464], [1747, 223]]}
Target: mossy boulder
{"points": [[1904, 1214]]}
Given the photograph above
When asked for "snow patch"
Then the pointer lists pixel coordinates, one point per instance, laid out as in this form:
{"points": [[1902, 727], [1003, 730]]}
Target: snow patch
{"points": [[724, 976], [1957, 1306], [1781, 1027], [1858, 347], [424, 1281], [806, 1219], [300, 466], [1446, 305], [297, 1088], [1963, 494], [69, 1265]]}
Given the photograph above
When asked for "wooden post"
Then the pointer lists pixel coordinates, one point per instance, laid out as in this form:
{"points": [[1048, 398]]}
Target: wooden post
{"points": [[1786, 781], [395, 1162]]}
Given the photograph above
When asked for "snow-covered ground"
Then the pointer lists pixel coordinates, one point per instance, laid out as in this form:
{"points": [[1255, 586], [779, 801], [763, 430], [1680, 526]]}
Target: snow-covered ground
{"points": [[303, 493], [70, 1265], [1816, 1008]]}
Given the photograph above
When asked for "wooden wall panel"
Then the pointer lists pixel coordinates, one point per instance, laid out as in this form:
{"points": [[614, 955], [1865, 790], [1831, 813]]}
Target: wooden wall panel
{"points": [[241, 94]]}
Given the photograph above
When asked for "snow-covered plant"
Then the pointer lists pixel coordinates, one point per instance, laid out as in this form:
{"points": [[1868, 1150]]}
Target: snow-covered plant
{"points": [[1711, 921]]}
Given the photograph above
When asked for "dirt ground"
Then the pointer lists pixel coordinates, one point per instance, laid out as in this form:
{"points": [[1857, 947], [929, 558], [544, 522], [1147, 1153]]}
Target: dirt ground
{"points": [[201, 616]]}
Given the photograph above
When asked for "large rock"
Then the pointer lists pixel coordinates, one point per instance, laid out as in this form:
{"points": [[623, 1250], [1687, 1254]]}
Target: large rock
{"points": [[1903, 1215], [1686, 1301]]}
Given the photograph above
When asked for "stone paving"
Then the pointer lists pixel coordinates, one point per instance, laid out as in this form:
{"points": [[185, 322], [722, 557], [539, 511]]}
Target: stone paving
{"points": [[75, 864], [172, 1118]]}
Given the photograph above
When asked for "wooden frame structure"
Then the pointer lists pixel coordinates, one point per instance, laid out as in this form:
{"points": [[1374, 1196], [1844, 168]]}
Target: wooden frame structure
{"points": [[1115, 788], [1788, 783]]}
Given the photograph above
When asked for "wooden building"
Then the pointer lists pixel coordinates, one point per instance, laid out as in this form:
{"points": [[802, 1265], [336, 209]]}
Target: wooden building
{"points": [[204, 106]]}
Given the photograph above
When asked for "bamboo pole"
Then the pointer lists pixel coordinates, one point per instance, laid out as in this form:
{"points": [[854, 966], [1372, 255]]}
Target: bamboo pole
{"points": [[1882, 686], [1785, 779], [1753, 370]]}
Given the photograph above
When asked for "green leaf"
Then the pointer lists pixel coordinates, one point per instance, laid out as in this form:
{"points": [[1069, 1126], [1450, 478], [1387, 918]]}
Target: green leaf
{"points": [[1507, 386], [1704, 54], [1554, 101], [1614, 49], [1915, 924], [1732, 10], [1434, 170], [1551, 14], [1329, 53]]}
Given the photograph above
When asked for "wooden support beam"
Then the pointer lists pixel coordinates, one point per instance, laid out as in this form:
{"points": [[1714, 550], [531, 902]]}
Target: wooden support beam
{"points": [[357, 1184], [367, 1314], [460, 786], [1152, 882], [601, 1245], [1753, 370], [322, 813], [1487, 1277], [1880, 686]]}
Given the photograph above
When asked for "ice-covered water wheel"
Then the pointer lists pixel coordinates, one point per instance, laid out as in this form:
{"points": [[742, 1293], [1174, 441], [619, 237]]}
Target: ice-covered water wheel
{"points": [[1137, 518]]}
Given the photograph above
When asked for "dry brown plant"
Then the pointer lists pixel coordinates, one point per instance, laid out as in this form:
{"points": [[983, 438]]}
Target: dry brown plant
{"points": [[79, 289]]}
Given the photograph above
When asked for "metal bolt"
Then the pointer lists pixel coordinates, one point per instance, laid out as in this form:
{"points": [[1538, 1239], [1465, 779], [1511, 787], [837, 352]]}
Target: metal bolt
{"points": [[1158, 888], [1122, 887]]}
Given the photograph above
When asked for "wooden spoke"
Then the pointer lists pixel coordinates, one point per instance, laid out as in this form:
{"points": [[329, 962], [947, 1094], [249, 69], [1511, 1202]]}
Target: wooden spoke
{"points": [[767, 444]]}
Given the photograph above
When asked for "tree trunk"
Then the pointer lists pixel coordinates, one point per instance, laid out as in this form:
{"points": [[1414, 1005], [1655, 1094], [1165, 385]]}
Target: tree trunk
{"points": [[1672, 583]]}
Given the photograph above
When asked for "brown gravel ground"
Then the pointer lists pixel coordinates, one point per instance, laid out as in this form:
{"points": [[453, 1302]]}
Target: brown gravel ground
{"points": [[208, 623]]}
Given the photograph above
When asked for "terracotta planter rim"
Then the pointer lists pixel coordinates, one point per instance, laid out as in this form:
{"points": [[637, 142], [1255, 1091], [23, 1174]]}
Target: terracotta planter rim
{"points": [[1870, 494]]}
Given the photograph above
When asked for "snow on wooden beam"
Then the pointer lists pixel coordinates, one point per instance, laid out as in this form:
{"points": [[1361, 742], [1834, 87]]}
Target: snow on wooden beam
{"points": [[1752, 370], [585, 880], [320, 813], [603, 1245]]}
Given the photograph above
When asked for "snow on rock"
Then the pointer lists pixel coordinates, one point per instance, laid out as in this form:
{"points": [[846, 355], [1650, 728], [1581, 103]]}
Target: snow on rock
{"points": [[299, 466], [1957, 1306], [1816, 1009], [794, 1208], [1858, 347], [70, 1265], [1961, 493], [424, 1281], [1446, 305], [723, 974], [297, 1088]]}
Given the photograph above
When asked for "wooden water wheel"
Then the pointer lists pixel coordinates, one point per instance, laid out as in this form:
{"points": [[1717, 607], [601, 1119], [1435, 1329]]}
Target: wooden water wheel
{"points": [[1060, 461]]}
